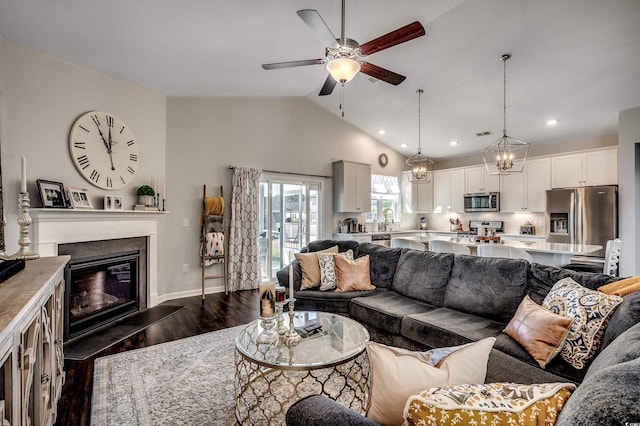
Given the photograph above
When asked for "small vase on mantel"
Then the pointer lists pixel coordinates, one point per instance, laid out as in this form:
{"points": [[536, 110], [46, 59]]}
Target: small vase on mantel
{"points": [[147, 200]]}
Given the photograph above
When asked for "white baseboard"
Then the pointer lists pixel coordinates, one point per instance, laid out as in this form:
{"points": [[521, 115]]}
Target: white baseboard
{"points": [[189, 293]]}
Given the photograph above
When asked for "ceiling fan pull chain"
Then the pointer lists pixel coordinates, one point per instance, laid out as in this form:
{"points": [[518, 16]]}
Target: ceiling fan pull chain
{"points": [[342, 99]]}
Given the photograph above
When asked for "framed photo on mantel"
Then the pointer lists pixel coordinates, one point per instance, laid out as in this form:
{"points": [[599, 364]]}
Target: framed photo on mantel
{"points": [[79, 198], [52, 194]]}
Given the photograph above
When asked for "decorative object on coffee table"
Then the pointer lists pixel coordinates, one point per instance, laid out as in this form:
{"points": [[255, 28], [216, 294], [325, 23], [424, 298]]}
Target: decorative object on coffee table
{"points": [[280, 301], [291, 337], [268, 335]]}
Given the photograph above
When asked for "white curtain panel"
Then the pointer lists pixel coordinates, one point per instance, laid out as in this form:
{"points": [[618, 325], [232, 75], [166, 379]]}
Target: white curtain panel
{"points": [[244, 266]]}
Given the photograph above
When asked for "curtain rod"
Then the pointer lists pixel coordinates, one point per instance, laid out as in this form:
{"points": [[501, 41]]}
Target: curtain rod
{"points": [[291, 173]]}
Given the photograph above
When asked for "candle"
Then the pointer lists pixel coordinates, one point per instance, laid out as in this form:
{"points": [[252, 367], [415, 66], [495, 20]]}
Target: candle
{"points": [[291, 281], [280, 296], [23, 180], [267, 300]]}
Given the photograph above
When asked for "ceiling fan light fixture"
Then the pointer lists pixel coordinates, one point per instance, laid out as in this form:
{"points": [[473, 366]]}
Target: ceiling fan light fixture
{"points": [[420, 166], [343, 69], [506, 155]]}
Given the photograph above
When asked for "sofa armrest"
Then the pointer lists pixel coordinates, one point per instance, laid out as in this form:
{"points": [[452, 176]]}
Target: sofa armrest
{"points": [[319, 410]]}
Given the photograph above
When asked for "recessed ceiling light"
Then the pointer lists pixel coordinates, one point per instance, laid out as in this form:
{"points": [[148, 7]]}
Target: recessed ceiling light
{"points": [[552, 122], [403, 145], [381, 131], [453, 143]]}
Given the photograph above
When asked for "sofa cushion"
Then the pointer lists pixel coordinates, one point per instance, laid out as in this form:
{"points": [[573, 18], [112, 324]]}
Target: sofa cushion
{"points": [[627, 314], [608, 397], [557, 366], [488, 287], [385, 311], [543, 277], [330, 301], [623, 349], [541, 332], [383, 261], [317, 245], [423, 275], [398, 373], [444, 327], [590, 310]]}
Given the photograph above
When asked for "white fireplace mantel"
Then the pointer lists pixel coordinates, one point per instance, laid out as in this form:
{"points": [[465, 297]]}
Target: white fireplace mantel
{"points": [[52, 227]]}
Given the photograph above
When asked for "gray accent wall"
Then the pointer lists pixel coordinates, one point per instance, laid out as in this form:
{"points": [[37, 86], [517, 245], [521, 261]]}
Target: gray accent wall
{"points": [[629, 190]]}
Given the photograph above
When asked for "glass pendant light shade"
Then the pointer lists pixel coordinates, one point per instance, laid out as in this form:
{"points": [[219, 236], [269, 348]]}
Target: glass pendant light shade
{"points": [[343, 69], [506, 155], [420, 166]]}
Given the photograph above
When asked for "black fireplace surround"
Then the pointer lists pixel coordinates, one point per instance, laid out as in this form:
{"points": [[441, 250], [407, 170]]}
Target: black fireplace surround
{"points": [[104, 281]]}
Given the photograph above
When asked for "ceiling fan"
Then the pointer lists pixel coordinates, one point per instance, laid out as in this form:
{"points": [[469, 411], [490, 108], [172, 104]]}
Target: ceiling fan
{"points": [[345, 57]]}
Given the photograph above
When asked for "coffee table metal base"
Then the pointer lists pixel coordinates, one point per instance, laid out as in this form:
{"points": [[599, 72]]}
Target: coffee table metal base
{"points": [[263, 394]]}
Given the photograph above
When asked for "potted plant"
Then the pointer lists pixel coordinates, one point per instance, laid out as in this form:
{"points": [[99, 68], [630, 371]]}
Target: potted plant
{"points": [[145, 195]]}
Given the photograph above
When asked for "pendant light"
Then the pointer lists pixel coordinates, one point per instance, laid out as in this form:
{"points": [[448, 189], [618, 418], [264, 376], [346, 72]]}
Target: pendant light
{"points": [[506, 155], [419, 165]]}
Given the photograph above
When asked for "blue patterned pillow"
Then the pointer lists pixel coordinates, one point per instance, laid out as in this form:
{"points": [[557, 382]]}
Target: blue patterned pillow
{"points": [[328, 277], [590, 311]]}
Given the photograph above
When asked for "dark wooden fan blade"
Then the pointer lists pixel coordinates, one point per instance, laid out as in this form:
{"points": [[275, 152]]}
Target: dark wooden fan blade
{"points": [[312, 18], [382, 74], [290, 64], [401, 35], [328, 86]]}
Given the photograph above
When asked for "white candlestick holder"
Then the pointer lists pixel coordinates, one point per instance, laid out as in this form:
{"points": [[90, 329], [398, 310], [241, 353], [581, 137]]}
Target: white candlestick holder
{"points": [[24, 221], [281, 328]]}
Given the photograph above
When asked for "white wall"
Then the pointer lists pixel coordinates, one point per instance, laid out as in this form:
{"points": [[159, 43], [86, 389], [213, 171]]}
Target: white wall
{"points": [[42, 97], [206, 135], [629, 190]]}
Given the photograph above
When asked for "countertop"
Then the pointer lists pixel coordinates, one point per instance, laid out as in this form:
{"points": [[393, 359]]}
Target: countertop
{"points": [[428, 231], [530, 246]]}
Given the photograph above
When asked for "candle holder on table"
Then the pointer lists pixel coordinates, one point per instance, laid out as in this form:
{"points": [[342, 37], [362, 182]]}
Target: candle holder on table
{"points": [[24, 221], [291, 337], [280, 301], [268, 335]]}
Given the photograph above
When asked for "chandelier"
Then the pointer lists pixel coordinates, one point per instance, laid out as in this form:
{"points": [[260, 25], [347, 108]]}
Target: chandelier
{"points": [[506, 155], [419, 165]]}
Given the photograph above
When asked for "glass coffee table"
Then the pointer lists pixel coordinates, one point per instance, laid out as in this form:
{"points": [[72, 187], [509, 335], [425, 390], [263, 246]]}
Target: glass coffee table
{"points": [[269, 378]]}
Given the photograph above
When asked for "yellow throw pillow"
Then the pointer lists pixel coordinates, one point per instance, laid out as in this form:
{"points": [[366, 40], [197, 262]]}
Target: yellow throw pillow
{"points": [[491, 404], [622, 287], [311, 268], [352, 274], [396, 374], [541, 332]]}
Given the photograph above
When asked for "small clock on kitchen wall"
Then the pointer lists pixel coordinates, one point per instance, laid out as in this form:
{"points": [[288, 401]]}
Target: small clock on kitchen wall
{"points": [[104, 150], [383, 160]]}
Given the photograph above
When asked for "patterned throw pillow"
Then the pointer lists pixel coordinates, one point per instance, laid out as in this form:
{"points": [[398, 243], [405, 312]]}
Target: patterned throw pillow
{"points": [[328, 277], [491, 404], [310, 268], [590, 311]]}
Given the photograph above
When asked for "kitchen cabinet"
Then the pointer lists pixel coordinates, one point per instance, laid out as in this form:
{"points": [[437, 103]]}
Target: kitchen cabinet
{"points": [[525, 192], [588, 168], [351, 187], [448, 190], [477, 179], [31, 351], [416, 197]]}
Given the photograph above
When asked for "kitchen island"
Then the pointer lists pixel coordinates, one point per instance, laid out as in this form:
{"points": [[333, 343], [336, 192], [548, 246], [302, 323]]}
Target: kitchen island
{"points": [[554, 254]]}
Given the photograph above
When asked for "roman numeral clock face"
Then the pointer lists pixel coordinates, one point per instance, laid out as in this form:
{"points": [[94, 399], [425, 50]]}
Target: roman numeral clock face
{"points": [[103, 149]]}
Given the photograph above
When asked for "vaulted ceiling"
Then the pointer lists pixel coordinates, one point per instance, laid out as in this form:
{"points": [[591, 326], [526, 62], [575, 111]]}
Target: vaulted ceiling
{"points": [[574, 60]]}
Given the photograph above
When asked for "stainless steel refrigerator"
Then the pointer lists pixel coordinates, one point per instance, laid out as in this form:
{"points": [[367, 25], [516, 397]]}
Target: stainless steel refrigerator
{"points": [[587, 215]]}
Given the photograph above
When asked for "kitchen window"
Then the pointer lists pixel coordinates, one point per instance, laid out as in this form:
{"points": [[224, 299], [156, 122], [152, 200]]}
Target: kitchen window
{"points": [[385, 199]]}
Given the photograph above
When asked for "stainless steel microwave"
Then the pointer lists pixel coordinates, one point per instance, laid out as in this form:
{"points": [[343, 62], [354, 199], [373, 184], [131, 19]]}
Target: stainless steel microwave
{"points": [[482, 202]]}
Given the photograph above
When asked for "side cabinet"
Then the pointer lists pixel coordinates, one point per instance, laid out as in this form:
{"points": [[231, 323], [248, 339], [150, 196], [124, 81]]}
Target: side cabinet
{"points": [[31, 331], [351, 187]]}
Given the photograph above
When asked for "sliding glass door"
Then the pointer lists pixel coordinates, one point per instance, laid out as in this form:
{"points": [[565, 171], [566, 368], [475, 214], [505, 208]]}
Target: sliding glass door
{"points": [[289, 219]]}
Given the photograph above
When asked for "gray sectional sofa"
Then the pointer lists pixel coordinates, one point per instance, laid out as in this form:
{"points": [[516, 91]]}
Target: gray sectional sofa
{"points": [[425, 300]]}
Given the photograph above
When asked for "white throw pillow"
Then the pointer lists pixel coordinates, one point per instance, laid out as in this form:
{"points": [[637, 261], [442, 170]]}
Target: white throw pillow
{"points": [[396, 374], [328, 277]]}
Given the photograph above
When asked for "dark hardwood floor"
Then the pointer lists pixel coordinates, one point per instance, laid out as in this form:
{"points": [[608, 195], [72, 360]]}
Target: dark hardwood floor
{"points": [[218, 311]]}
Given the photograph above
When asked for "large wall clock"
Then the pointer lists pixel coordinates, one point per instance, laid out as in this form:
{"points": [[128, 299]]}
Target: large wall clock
{"points": [[104, 150]]}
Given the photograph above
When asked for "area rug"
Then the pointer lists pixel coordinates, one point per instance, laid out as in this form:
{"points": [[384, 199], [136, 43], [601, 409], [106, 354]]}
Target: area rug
{"points": [[185, 382], [101, 339]]}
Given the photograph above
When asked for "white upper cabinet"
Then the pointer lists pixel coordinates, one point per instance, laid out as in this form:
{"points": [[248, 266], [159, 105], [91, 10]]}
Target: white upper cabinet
{"points": [[478, 180], [589, 168], [448, 190], [351, 187], [416, 197], [525, 192]]}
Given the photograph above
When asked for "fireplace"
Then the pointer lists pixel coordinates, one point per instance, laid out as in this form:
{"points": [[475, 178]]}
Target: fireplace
{"points": [[100, 290]]}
